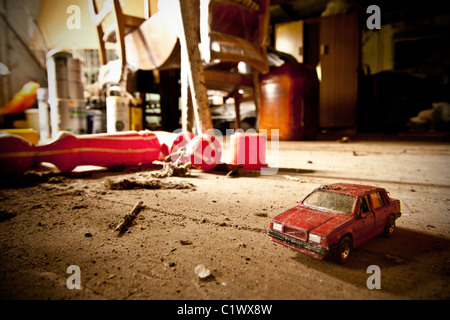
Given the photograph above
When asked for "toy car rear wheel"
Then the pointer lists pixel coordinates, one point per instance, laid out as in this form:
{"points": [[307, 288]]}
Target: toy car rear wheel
{"points": [[344, 249], [390, 227]]}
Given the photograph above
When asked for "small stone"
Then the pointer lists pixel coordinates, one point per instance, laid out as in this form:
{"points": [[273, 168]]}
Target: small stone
{"points": [[202, 272]]}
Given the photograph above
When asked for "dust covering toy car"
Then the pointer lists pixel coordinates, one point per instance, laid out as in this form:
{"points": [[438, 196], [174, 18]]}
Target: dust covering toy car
{"points": [[334, 219]]}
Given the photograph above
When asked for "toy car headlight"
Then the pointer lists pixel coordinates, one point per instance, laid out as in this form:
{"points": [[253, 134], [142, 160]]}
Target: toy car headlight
{"points": [[277, 227], [315, 238]]}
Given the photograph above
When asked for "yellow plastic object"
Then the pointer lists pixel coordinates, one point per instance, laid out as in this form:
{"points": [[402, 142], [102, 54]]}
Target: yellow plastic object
{"points": [[30, 135]]}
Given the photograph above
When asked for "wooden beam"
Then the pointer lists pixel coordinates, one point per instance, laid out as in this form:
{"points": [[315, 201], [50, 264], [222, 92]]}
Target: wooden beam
{"points": [[189, 45], [236, 79]]}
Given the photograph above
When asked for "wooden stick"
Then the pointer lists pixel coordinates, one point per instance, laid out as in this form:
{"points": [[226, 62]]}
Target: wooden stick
{"points": [[193, 65], [187, 111], [129, 218]]}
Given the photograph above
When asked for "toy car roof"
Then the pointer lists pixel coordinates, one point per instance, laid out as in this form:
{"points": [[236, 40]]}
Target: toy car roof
{"points": [[347, 188]]}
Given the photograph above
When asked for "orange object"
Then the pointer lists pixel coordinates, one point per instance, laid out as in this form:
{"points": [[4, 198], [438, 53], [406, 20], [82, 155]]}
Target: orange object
{"points": [[290, 102], [22, 100], [249, 150]]}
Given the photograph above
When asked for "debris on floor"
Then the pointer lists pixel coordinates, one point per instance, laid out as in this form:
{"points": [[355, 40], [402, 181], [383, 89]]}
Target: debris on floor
{"points": [[171, 169], [129, 218], [294, 178], [129, 184], [344, 139], [202, 272], [234, 171]]}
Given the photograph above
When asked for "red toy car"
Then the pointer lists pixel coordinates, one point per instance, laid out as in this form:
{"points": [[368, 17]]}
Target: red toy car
{"points": [[334, 219]]}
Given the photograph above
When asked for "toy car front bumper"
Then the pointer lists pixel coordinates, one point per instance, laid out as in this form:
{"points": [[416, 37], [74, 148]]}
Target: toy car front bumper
{"points": [[309, 248]]}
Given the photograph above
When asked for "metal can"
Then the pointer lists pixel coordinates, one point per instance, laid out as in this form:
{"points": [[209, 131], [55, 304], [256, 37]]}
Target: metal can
{"points": [[117, 114]]}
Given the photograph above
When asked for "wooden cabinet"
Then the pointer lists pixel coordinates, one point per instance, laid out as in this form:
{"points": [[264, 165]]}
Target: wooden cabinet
{"points": [[333, 44], [339, 55]]}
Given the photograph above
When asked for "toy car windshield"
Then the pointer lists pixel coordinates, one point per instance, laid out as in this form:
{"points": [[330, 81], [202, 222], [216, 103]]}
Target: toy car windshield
{"points": [[337, 202]]}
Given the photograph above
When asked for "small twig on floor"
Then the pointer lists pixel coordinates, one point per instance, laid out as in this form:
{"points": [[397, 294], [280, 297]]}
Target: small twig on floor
{"points": [[234, 171], [129, 218]]}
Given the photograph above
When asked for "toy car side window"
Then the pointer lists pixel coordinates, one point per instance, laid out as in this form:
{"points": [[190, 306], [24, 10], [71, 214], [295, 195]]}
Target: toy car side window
{"points": [[377, 200], [364, 205]]}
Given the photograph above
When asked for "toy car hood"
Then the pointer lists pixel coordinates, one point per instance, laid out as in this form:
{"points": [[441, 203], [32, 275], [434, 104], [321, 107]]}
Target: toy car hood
{"points": [[306, 218]]}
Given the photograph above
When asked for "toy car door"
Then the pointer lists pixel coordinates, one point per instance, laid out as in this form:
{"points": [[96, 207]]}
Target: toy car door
{"points": [[364, 225], [381, 209]]}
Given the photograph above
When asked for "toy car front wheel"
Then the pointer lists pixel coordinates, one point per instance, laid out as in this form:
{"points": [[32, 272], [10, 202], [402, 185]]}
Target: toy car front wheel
{"points": [[344, 249], [390, 227]]}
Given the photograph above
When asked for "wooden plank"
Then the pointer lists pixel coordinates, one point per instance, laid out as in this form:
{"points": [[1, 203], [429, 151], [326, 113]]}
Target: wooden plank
{"points": [[193, 64], [235, 79]]}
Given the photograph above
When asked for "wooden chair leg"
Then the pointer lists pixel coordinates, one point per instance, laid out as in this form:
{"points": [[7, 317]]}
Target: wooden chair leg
{"points": [[237, 108], [102, 50], [257, 97], [120, 38]]}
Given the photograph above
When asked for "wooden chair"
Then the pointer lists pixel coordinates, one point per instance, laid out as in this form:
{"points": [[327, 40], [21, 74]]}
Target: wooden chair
{"points": [[230, 32], [146, 44], [123, 24], [233, 32]]}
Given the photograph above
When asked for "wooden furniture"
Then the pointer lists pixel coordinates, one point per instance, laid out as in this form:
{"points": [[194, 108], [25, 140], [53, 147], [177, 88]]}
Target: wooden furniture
{"points": [[339, 60], [145, 44], [123, 24], [331, 43], [233, 32], [153, 45], [229, 32], [290, 102]]}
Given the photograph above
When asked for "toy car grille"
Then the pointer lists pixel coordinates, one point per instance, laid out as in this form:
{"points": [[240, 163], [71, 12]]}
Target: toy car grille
{"points": [[298, 243], [296, 233]]}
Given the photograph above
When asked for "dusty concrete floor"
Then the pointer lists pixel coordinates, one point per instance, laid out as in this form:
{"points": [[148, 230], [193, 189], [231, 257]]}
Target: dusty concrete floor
{"points": [[50, 223]]}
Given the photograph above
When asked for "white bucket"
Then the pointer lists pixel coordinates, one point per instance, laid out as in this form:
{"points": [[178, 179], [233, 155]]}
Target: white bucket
{"points": [[117, 114]]}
